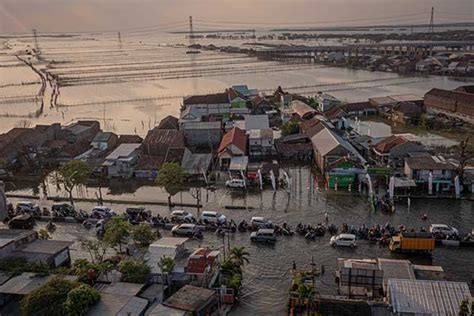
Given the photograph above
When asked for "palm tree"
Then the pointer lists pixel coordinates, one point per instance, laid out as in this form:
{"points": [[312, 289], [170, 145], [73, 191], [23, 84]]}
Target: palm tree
{"points": [[239, 255], [166, 264]]}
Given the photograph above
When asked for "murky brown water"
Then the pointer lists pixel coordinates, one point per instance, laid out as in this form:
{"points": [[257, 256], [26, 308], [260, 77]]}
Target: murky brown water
{"points": [[267, 277]]}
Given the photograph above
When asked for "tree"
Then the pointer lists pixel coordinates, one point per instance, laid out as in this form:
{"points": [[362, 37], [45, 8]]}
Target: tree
{"points": [[464, 308], [290, 128], [239, 255], [143, 235], [117, 232], [166, 265], [80, 299], [73, 174], [464, 156], [171, 177], [48, 299], [43, 234], [95, 248], [134, 271]]}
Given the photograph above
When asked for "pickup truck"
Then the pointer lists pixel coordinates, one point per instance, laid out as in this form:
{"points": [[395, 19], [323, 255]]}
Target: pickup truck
{"points": [[412, 242]]}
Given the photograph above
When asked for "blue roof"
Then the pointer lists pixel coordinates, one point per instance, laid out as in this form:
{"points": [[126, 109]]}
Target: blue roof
{"points": [[242, 89]]}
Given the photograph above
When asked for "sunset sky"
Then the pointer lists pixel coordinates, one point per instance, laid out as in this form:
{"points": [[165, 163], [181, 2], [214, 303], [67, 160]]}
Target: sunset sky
{"points": [[98, 15]]}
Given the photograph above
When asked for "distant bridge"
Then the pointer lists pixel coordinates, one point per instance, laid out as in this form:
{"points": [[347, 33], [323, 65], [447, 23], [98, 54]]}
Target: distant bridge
{"points": [[412, 48]]}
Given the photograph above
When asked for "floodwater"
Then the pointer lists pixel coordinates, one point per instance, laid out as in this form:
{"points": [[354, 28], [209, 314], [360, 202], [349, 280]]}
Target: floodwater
{"points": [[267, 277], [129, 86]]}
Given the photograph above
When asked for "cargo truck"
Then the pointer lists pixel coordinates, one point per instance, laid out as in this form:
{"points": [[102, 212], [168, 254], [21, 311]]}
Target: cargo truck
{"points": [[412, 242]]}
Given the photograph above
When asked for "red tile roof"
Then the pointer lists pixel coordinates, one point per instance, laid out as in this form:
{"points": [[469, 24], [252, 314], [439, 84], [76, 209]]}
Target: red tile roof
{"points": [[235, 136], [388, 143]]}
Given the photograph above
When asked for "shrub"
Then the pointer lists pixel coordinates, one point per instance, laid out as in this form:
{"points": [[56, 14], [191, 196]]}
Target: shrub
{"points": [[80, 299], [143, 235], [47, 300], [134, 271]]}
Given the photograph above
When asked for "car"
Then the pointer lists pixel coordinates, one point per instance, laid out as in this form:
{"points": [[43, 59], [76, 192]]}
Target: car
{"points": [[24, 221], [27, 207], [344, 240], [180, 215], [443, 229], [64, 209], [263, 235], [188, 230], [260, 222], [212, 217], [236, 184], [102, 212]]}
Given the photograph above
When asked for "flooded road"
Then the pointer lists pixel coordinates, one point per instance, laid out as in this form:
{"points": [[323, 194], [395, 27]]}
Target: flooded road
{"points": [[267, 276]]}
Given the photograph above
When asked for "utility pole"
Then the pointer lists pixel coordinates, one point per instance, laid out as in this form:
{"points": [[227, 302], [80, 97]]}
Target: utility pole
{"points": [[119, 40], [191, 32], [37, 48], [431, 30]]}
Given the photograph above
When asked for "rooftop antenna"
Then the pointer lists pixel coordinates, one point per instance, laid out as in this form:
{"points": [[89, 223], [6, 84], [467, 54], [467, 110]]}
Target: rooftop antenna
{"points": [[37, 48]]}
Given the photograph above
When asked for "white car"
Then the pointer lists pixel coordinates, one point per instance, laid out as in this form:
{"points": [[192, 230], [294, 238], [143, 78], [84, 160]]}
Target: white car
{"points": [[27, 207], [181, 215], [188, 230], [102, 212], [443, 229], [344, 240], [212, 217], [235, 184], [260, 222]]}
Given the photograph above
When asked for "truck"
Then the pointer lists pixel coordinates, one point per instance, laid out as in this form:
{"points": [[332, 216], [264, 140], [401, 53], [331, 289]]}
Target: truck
{"points": [[412, 242]]}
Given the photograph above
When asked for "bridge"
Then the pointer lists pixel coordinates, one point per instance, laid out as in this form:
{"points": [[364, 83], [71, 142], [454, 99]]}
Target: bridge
{"points": [[412, 48]]}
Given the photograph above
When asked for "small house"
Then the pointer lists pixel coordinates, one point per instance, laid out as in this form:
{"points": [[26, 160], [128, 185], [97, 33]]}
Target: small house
{"points": [[81, 130], [196, 165], [104, 141], [233, 144], [294, 147], [202, 134], [193, 300], [122, 161], [326, 101], [329, 147], [406, 113], [382, 149], [302, 111], [359, 109]]}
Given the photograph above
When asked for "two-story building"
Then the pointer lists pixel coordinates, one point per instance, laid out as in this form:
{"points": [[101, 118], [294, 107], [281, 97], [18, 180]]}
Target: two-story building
{"points": [[122, 161], [442, 171], [261, 143], [326, 101]]}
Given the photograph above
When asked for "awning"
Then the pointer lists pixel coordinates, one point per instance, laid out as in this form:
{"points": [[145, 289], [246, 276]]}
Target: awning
{"points": [[404, 183], [239, 163]]}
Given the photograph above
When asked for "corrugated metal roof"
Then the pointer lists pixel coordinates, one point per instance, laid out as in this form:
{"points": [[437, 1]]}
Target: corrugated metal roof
{"points": [[427, 297], [256, 122], [195, 164], [124, 150]]}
